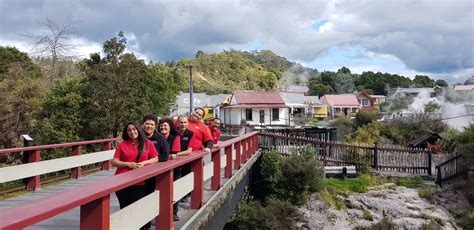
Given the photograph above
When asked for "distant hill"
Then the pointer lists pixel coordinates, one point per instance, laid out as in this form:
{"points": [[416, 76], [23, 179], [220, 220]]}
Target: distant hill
{"points": [[241, 70]]}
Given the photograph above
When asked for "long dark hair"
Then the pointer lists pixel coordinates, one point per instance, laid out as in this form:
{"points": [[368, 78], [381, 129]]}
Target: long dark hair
{"points": [[141, 137]]}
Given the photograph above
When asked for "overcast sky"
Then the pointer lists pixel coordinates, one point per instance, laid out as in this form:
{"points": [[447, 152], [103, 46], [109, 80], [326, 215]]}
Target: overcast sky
{"points": [[407, 37]]}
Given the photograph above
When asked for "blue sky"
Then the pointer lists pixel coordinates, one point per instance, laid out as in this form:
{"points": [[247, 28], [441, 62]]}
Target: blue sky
{"points": [[406, 37]]}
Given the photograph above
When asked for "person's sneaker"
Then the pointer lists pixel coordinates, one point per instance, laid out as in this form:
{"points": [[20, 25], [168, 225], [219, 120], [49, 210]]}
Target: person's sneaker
{"points": [[175, 217]]}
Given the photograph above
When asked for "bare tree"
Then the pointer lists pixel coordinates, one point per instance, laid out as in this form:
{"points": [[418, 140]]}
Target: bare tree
{"points": [[53, 43]]}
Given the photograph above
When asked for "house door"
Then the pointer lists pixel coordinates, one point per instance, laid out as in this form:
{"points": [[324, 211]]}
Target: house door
{"points": [[262, 116]]}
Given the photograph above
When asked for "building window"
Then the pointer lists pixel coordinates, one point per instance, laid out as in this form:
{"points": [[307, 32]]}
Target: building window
{"points": [[275, 114], [354, 110], [365, 102], [248, 114]]}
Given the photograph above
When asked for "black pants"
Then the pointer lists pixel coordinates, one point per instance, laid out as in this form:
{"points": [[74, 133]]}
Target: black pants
{"points": [[129, 195]]}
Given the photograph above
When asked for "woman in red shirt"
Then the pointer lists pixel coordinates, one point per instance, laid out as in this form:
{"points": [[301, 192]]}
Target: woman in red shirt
{"points": [[134, 152]]}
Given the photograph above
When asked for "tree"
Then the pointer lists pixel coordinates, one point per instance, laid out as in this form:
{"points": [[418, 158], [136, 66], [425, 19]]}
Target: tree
{"points": [[20, 95], [441, 83], [318, 89], [423, 81], [364, 117], [53, 43]]}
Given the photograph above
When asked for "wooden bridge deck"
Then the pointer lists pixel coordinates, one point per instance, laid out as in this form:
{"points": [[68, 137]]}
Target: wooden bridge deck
{"points": [[70, 219]]}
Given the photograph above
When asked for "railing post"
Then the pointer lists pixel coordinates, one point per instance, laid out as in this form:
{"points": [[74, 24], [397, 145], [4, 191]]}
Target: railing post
{"points": [[238, 159], [325, 152], [438, 176], [228, 165], [429, 162], [34, 183], [216, 177], [244, 150], [96, 214], [164, 183], [76, 173], [197, 195], [106, 165], [376, 155]]}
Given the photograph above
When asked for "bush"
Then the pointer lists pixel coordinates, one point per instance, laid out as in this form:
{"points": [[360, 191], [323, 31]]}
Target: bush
{"points": [[300, 176], [274, 214], [466, 219], [383, 224], [271, 172], [364, 117]]}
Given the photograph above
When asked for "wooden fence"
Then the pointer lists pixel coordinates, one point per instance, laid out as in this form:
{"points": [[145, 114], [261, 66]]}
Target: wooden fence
{"points": [[450, 169], [386, 158]]}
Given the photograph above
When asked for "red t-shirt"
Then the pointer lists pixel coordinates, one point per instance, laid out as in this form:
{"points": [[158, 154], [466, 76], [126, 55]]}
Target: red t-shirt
{"points": [[176, 146], [201, 135], [127, 152], [215, 134]]}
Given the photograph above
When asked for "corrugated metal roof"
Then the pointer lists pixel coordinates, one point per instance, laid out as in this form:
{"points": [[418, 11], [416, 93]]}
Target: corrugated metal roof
{"points": [[464, 87], [255, 106], [298, 98], [341, 100], [258, 98], [297, 89]]}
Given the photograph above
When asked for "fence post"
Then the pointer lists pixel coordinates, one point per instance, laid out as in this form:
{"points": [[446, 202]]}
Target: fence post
{"points": [[76, 173], [438, 176], [197, 195], [325, 152], [429, 163], [376, 155], [34, 183], [96, 214], [238, 159], [164, 183], [228, 160], [106, 165], [216, 177]]}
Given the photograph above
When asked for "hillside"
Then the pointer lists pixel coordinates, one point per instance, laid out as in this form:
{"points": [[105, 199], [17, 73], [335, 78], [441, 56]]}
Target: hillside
{"points": [[241, 70]]}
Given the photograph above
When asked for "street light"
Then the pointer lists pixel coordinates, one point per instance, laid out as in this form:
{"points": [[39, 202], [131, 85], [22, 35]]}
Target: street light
{"points": [[190, 89]]}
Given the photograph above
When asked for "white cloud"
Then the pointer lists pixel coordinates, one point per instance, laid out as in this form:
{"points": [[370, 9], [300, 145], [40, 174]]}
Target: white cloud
{"points": [[326, 27]]}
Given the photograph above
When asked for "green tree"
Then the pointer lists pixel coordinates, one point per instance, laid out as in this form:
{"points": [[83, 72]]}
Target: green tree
{"points": [[364, 117], [59, 119], [441, 83], [423, 81], [21, 93]]}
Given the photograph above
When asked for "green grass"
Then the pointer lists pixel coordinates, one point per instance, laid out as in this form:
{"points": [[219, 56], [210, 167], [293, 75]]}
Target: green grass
{"points": [[347, 186], [410, 182]]}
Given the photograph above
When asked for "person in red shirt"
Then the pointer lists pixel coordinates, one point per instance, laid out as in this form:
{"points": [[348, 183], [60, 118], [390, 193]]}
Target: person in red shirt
{"points": [[214, 127], [202, 136], [134, 152]]}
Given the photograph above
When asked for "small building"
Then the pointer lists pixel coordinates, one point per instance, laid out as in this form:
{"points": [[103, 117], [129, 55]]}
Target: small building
{"points": [[366, 102], [341, 105], [302, 107], [379, 99], [297, 89], [464, 88], [210, 104], [425, 139], [255, 108]]}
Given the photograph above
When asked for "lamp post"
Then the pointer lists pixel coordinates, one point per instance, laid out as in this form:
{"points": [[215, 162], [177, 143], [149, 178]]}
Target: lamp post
{"points": [[190, 89]]}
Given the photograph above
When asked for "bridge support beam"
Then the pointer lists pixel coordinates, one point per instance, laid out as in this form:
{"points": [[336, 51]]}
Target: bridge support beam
{"points": [[76, 173], [228, 165], [197, 195], [96, 214], [164, 183], [34, 183], [238, 156], [216, 178]]}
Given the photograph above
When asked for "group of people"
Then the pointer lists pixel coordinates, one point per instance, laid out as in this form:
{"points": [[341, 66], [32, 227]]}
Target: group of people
{"points": [[147, 144]]}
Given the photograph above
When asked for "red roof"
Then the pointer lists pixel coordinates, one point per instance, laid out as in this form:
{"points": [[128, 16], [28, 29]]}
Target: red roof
{"points": [[341, 100], [254, 106], [250, 98]]}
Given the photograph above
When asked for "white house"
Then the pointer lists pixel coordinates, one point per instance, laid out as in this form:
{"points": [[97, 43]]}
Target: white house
{"points": [[255, 108]]}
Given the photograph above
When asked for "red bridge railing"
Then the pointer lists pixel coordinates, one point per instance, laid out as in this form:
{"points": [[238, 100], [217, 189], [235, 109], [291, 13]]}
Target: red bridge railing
{"points": [[34, 156], [94, 198]]}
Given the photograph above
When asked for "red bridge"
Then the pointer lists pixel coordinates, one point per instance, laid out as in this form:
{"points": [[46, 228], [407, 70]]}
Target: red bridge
{"points": [[210, 181]]}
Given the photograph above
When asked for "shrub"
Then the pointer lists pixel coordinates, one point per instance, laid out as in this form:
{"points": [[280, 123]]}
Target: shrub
{"points": [[271, 172], [300, 176], [466, 219], [274, 214], [367, 215], [383, 224], [364, 117]]}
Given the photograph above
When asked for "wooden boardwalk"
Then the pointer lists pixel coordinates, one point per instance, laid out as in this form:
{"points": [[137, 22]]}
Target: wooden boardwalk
{"points": [[70, 219]]}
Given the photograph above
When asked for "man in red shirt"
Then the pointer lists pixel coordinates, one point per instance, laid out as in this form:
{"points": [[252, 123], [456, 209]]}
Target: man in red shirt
{"points": [[202, 136], [214, 127]]}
